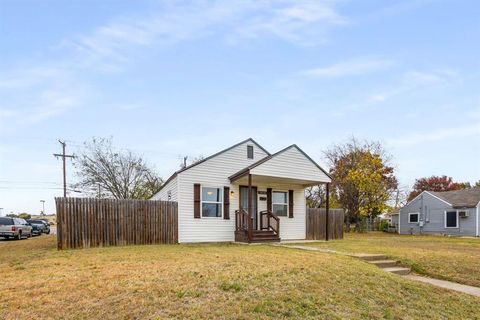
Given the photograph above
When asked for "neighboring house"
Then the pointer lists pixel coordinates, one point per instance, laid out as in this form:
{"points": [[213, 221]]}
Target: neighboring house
{"points": [[450, 213], [213, 194]]}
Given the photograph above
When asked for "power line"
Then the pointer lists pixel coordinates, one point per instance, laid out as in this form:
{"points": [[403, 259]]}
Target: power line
{"points": [[64, 157]]}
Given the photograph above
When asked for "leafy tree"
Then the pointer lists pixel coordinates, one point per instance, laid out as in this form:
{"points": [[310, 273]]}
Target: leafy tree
{"points": [[362, 180], [436, 183], [25, 215], [477, 184], [106, 172]]}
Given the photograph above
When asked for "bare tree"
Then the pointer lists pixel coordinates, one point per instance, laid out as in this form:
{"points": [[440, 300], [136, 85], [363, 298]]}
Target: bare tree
{"points": [[120, 174], [315, 196]]}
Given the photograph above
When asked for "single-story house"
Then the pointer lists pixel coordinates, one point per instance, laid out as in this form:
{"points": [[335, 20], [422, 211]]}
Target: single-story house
{"points": [[449, 213], [244, 193]]}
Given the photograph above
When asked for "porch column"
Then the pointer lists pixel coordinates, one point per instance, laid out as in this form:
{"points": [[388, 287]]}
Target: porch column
{"points": [[327, 209], [250, 205]]}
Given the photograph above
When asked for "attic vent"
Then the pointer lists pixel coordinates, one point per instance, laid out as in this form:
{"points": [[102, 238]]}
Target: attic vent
{"points": [[250, 152]]}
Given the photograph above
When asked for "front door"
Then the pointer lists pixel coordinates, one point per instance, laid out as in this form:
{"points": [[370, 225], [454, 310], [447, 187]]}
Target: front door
{"points": [[244, 202]]}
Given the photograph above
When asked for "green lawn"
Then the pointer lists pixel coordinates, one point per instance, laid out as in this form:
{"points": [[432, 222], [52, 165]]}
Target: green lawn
{"points": [[448, 258], [209, 281]]}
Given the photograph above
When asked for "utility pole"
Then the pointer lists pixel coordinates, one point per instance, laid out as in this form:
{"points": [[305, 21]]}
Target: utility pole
{"points": [[64, 156], [43, 203]]}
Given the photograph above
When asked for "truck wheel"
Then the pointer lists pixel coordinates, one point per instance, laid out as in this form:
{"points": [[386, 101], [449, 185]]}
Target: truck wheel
{"points": [[19, 236]]}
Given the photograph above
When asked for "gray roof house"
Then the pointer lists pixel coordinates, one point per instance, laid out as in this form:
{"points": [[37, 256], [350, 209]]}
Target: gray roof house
{"points": [[448, 212]]}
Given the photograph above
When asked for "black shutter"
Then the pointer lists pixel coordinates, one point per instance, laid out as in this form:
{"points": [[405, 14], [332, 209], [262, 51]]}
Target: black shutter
{"points": [[226, 203], [290, 203], [196, 201], [269, 199]]}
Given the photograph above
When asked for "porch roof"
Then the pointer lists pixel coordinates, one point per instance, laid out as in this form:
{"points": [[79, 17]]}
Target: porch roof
{"points": [[273, 181], [290, 165]]}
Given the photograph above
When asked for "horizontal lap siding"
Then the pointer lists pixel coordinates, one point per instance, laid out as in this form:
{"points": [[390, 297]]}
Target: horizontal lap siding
{"points": [[213, 173], [290, 228], [435, 214], [172, 186], [291, 164]]}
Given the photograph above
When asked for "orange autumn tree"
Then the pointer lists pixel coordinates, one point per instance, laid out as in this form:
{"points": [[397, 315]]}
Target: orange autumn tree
{"points": [[363, 182]]}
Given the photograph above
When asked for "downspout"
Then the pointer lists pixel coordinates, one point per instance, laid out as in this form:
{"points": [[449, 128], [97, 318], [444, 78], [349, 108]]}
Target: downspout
{"points": [[478, 215], [399, 220]]}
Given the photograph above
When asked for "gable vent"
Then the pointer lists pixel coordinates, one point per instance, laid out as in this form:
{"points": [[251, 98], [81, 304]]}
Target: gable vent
{"points": [[250, 152]]}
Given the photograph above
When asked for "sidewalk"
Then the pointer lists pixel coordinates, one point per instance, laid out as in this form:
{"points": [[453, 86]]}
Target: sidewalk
{"points": [[435, 282]]}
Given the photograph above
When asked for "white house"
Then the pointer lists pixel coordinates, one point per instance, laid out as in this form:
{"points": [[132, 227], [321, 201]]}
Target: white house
{"points": [[243, 193]]}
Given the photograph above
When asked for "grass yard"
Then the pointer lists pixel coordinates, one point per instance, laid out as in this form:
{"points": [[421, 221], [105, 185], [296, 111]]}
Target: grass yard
{"points": [[209, 281], [454, 259]]}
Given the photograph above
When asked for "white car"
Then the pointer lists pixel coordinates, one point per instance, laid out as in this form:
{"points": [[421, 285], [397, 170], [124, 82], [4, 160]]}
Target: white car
{"points": [[14, 228]]}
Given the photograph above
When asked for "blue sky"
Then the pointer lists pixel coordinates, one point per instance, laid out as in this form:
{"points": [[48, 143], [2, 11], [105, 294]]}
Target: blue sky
{"points": [[168, 79]]}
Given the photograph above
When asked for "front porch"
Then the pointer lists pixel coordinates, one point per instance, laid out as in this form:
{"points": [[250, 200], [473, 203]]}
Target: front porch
{"points": [[270, 208]]}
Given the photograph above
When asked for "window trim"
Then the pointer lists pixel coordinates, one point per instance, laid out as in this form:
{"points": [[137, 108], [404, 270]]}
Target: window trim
{"points": [[412, 213], [445, 219], [286, 199], [214, 202]]}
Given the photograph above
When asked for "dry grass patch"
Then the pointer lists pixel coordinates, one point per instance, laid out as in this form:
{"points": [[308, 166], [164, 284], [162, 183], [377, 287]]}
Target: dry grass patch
{"points": [[448, 258], [208, 281]]}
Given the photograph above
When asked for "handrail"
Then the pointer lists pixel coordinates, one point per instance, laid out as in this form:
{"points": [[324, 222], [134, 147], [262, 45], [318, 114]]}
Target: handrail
{"points": [[241, 220], [270, 215]]}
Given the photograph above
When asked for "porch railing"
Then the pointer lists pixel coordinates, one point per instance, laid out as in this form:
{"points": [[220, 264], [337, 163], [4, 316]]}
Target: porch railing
{"points": [[243, 222], [266, 219]]}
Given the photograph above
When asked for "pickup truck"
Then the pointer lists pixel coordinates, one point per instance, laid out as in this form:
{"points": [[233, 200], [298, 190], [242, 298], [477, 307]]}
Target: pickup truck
{"points": [[14, 228]]}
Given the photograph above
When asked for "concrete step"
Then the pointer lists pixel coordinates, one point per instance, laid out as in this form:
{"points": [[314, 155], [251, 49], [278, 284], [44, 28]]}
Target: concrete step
{"points": [[398, 270], [370, 256], [384, 263]]}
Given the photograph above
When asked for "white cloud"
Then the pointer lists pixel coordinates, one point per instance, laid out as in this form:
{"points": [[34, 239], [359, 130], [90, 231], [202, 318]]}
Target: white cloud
{"points": [[415, 80], [350, 68], [297, 21], [472, 130]]}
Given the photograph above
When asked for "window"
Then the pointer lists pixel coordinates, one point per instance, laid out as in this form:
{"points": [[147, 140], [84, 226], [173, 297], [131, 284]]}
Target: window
{"points": [[451, 219], [211, 202], [279, 203], [6, 221], [413, 217], [250, 152]]}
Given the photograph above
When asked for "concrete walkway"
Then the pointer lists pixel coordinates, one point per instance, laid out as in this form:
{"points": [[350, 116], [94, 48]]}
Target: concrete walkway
{"points": [[435, 282], [446, 284]]}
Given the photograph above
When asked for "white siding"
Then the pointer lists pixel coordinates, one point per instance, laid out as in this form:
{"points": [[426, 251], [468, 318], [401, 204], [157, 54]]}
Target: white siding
{"points": [[291, 164], [172, 187], [214, 173], [290, 228]]}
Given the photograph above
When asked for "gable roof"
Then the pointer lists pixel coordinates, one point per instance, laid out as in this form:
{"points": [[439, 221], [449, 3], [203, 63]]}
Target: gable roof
{"points": [[259, 162], [466, 198], [210, 157]]}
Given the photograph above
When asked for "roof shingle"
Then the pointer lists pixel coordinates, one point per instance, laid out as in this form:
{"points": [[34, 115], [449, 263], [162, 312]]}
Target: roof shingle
{"points": [[466, 198]]}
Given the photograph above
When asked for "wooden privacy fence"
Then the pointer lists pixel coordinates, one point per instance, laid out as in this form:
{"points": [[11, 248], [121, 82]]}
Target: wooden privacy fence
{"points": [[88, 222], [316, 226]]}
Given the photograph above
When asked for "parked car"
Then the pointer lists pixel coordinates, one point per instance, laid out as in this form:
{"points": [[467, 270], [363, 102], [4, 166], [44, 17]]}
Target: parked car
{"points": [[47, 226], [14, 228], [38, 227]]}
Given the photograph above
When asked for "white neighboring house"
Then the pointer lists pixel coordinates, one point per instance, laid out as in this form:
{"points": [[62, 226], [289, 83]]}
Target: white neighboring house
{"points": [[213, 194]]}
